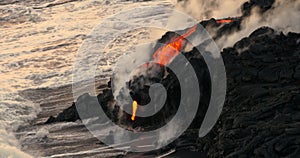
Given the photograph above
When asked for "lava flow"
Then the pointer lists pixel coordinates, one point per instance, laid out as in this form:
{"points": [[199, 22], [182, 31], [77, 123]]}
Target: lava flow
{"points": [[222, 21], [166, 53], [134, 109]]}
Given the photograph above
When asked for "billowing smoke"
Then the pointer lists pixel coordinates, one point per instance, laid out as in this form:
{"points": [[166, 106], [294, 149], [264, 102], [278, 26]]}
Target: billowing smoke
{"points": [[203, 9], [282, 15], [123, 70]]}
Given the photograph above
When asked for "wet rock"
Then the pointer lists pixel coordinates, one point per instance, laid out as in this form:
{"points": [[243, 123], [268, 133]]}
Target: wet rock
{"points": [[69, 114]]}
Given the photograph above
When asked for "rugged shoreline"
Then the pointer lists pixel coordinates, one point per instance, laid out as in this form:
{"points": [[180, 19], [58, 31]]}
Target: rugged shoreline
{"points": [[260, 118], [261, 113]]}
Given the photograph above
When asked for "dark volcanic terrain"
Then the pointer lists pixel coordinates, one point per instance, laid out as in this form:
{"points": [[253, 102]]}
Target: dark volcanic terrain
{"points": [[261, 113], [260, 117]]}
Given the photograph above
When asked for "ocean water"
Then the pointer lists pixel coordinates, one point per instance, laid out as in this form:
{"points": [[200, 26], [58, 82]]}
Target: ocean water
{"points": [[41, 54]]}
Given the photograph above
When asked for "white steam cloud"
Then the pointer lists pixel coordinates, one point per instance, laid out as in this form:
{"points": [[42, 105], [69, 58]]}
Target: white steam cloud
{"points": [[284, 17], [203, 9]]}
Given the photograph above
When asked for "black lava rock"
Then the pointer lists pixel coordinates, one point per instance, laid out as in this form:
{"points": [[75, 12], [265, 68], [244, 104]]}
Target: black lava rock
{"points": [[261, 114]]}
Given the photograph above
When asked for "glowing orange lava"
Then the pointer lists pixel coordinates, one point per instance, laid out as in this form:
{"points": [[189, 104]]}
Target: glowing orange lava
{"points": [[134, 109], [222, 21], [166, 53]]}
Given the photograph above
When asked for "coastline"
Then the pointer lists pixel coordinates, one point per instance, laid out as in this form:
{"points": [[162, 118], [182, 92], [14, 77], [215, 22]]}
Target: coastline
{"points": [[58, 138], [40, 41]]}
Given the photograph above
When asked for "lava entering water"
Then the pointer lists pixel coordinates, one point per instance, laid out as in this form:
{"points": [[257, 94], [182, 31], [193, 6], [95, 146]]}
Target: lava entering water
{"points": [[166, 53], [134, 109]]}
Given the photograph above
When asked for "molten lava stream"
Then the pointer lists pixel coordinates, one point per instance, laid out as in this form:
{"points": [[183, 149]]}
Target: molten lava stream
{"points": [[134, 109], [222, 21], [166, 53]]}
